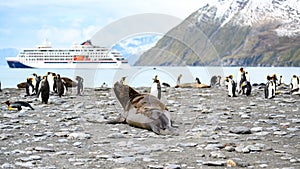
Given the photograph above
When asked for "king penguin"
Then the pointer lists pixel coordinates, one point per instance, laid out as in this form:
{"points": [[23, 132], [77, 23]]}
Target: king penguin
{"points": [[29, 88], [44, 90], [294, 86], [246, 88], [231, 86], [156, 88], [37, 80], [79, 85], [51, 81], [269, 88], [17, 105], [179, 79], [60, 85], [240, 79]]}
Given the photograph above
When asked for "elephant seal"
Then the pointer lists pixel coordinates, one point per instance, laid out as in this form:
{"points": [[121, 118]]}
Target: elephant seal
{"points": [[142, 110], [196, 84]]}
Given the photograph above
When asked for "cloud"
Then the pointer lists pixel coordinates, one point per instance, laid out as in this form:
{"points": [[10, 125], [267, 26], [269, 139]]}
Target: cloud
{"points": [[67, 21], [60, 36]]}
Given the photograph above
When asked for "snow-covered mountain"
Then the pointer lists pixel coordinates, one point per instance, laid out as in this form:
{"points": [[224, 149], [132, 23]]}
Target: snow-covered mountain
{"points": [[252, 12], [233, 32], [133, 47]]}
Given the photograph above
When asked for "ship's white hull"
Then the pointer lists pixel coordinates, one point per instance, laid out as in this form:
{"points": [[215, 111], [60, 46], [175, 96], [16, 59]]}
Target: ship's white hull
{"points": [[14, 63]]}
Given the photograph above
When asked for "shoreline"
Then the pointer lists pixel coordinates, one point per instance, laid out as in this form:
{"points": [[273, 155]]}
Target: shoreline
{"points": [[215, 131]]}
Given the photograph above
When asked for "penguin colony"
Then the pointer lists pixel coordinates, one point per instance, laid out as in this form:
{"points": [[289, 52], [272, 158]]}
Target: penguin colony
{"points": [[44, 86], [244, 87], [53, 84]]}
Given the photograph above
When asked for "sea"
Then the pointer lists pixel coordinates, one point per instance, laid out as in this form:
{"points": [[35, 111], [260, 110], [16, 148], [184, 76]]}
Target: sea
{"points": [[143, 76]]}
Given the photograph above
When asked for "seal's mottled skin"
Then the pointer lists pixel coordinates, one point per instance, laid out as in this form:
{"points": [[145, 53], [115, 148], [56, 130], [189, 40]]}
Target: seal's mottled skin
{"points": [[143, 110]]}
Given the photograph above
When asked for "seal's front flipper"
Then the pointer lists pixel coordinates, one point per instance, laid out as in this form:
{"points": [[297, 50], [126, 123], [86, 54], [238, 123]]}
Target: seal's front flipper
{"points": [[119, 119]]}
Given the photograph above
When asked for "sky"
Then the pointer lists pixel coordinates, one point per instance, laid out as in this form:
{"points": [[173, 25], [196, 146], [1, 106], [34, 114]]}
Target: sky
{"points": [[64, 22]]}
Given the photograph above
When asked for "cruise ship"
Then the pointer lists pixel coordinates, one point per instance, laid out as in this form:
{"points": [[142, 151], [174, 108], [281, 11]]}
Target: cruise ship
{"points": [[83, 56]]}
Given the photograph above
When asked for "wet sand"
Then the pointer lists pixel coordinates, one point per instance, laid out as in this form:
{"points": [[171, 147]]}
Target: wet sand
{"points": [[215, 131]]}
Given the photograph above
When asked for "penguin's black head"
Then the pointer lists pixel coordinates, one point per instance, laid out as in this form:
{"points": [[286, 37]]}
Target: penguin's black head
{"points": [[34, 74], [6, 102], [78, 78], [294, 76], [155, 80]]}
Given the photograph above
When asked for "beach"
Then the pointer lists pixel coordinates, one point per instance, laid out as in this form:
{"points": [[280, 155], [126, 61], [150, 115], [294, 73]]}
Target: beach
{"points": [[215, 131]]}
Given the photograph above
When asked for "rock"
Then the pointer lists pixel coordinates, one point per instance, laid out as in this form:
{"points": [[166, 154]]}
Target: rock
{"points": [[214, 163], [44, 149], [116, 135], [7, 165], [79, 136], [187, 144], [172, 166], [29, 164], [240, 130], [70, 132], [256, 129], [214, 146], [253, 148], [217, 154]]}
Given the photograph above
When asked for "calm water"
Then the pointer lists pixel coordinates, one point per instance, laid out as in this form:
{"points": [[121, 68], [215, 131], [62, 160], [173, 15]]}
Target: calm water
{"points": [[142, 76]]}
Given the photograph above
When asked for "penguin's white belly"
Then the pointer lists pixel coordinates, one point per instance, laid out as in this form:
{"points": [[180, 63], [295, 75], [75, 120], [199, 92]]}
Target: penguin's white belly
{"points": [[154, 91]]}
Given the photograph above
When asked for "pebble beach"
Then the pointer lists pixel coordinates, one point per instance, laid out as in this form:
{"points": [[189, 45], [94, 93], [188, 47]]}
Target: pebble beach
{"points": [[215, 131]]}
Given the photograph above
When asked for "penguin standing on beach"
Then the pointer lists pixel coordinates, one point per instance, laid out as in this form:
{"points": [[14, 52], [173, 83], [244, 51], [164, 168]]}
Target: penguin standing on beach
{"points": [[231, 86], [269, 88], [44, 90], [280, 81], [198, 80], [294, 86], [246, 88], [37, 80], [60, 86], [246, 85], [156, 88], [275, 81], [18, 105], [215, 81], [240, 79], [79, 85], [51, 80], [29, 88], [179, 79]]}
